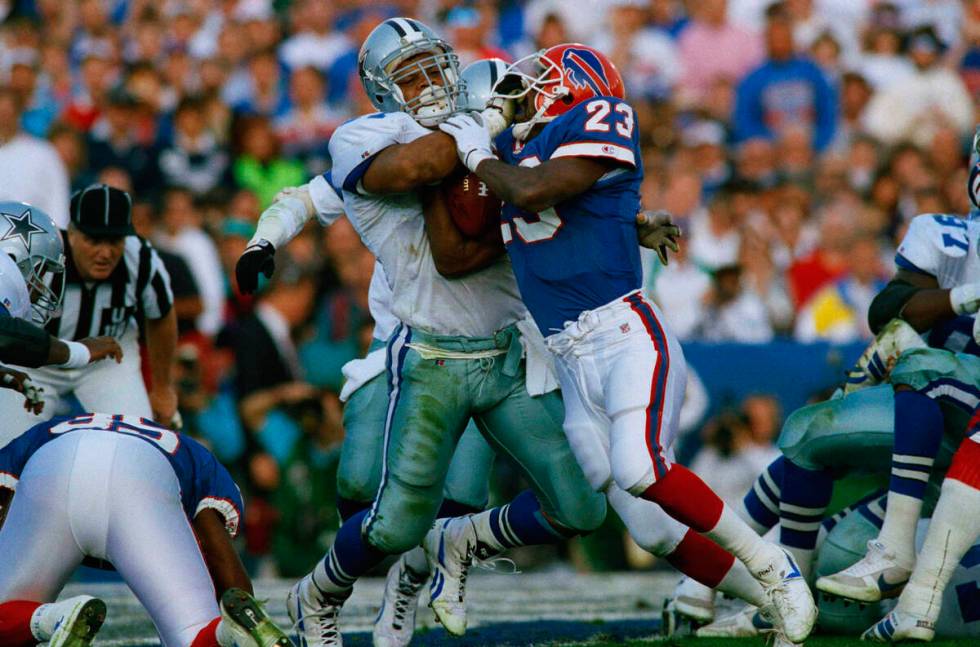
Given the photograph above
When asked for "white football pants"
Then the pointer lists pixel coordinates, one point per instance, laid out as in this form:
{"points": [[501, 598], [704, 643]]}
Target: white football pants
{"points": [[115, 498]]}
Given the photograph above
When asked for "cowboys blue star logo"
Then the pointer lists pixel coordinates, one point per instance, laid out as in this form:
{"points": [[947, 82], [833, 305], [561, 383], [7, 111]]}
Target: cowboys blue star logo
{"points": [[21, 226]]}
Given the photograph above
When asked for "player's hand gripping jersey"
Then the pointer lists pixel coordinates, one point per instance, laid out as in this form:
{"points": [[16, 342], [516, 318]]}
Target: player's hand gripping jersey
{"points": [[585, 250], [393, 228], [204, 482]]}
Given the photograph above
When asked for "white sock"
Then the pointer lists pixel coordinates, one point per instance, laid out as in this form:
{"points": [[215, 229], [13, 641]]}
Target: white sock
{"points": [[416, 562], [739, 583], [223, 635], [898, 530], [735, 536], [744, 515], [955, 526]]}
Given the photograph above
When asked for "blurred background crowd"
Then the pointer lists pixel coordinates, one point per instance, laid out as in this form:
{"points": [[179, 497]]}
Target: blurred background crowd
{"points": [[792, 141]]}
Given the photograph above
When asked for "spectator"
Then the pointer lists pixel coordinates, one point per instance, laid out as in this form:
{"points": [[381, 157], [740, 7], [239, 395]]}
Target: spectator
{"points": [[89, 98], [932, 97], [838, 312], [646, 57], [828, 261], [260, 167], [881, 61], [714, 233], [265, 89], [182, 234], [467, 31], [785, 91], [113, 142], [314, 42], [680, 290], [194, 159], [30, 169], [732, 313], [710, 48], [855, 94], [306, 128]]}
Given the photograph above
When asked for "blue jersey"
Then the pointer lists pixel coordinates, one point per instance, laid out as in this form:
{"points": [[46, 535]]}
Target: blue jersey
{"points": [[204, 482], [584, 252]]}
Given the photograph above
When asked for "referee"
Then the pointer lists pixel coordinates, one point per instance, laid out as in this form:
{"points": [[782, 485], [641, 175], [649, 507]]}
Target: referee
{"points": [[114, 281]]}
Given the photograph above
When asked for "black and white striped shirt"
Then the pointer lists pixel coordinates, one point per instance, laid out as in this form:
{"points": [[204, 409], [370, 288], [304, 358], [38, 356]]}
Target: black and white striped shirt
{"points": [[138, 287]]}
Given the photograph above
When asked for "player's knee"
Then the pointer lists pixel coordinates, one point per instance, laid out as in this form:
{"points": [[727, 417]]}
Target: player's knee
{"points": [[581, 513], [633, 476], [399, 536], [356, 485]]}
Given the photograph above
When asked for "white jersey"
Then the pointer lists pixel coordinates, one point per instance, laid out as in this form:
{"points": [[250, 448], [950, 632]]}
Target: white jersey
{"points": [[329, 208], [944, 246], [393, 228], [14, 297]]}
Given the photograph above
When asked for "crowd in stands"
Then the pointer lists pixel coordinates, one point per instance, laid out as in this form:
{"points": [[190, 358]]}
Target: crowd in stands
{"points": [[792, 141]]}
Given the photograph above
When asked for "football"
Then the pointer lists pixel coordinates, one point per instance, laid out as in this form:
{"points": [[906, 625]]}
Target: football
{"points": [[473, 207]]}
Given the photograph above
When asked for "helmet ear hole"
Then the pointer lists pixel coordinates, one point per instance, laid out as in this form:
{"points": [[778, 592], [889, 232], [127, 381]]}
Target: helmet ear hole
{"points": [[567, 99]]}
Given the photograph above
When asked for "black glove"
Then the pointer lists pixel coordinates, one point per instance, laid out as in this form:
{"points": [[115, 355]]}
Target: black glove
{"points": [[256, 258]]}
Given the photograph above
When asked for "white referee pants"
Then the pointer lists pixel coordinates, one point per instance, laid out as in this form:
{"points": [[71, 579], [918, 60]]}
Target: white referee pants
{"points": [[102, 387], [111, 497]]}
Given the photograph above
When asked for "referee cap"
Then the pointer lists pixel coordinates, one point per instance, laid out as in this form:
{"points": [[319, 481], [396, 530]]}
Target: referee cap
{"points": [[102, 211]]}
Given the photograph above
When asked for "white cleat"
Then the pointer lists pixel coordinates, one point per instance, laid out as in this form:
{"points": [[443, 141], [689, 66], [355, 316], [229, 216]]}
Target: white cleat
{"points": [[747, 623], [899, 625], [694, 601], [794, 610], [878, 575], [70, 623], [450, 547], [395, 623], [315, 620]]}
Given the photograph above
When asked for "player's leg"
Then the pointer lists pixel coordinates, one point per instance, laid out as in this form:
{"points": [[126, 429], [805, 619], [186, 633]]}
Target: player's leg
{"points": [[149, 541], [427, 412], [954, 528], [40, 553], [116, 388], [466, 492], [359, 469], [641, 435], [931, 385]]}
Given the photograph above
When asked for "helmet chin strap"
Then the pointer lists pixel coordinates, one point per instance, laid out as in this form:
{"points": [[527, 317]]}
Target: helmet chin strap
{"points": [[523, 130]]}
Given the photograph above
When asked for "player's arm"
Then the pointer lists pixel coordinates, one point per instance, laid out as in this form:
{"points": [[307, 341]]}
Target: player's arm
{"points": [[538, 188], [917, 299], [219, 553], [454, 254], [401, 168], [24, 343]]}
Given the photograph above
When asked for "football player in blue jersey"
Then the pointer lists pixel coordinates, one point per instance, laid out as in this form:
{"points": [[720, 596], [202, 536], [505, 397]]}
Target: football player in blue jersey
{"points": [[569, 174], [129, 494]]}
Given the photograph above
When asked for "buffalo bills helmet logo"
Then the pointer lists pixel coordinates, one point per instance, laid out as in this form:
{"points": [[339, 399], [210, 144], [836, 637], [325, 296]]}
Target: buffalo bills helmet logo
{"points": [[583, 69]]}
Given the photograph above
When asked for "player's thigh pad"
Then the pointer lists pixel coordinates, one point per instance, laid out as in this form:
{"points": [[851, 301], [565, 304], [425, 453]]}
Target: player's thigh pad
{"points": [[428, 410], [952, 379], [586, 425], [651, 528], [106, 386], [529, 430], [853, 432], [152, 545], [468, 480], [645, 375], [37, 548], [359, 471]]}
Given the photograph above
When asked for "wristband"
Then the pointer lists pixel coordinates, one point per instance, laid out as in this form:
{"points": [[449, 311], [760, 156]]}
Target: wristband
{"points": [[477, 155], [78, 354]]}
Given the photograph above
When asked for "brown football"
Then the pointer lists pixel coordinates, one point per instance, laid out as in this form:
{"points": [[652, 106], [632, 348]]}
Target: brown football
{"points": [[473, 207]]}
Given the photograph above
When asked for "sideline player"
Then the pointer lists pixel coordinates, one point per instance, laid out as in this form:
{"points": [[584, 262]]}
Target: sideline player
{"points": [[569, 178], [31, 260], [122, 491]]}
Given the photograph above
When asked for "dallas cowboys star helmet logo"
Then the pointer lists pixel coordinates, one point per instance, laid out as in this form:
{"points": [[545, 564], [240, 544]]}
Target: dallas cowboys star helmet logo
{"points": [[22, 226]]}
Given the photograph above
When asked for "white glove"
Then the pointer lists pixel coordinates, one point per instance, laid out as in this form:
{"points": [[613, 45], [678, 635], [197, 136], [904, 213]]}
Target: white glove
{"points": [[657, 231], [495, 121], [472, 139], [965, 299]]}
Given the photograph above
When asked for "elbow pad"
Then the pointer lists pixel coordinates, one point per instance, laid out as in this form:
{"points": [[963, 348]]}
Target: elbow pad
{"points": [[23, 343], [285, 217], [889, 303]]}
